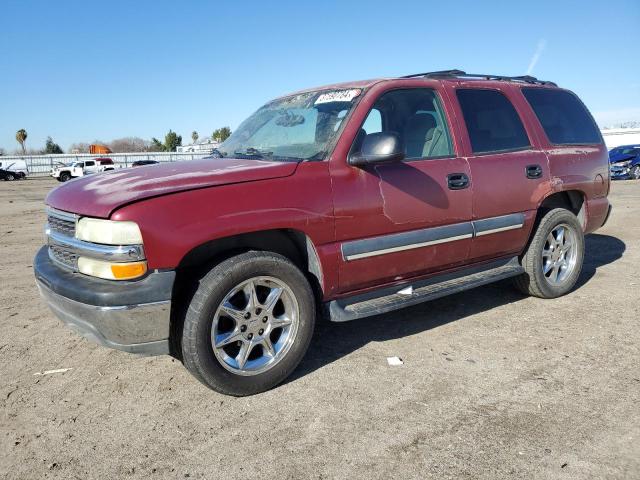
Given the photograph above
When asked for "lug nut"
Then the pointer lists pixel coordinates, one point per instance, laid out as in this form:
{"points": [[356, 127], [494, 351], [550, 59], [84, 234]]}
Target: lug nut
{"points": [[258, 311], [247, 315], [250, 336], [261, 332], [265, 320], [243, 328]]}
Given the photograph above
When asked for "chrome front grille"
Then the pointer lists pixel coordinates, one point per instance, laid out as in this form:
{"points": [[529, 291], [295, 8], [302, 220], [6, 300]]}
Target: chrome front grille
{"points": [[63, 256], [62, 223]]}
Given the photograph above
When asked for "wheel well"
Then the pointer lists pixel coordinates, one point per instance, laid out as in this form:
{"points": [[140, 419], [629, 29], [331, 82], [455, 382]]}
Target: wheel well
{"points": [[572, 200], [292, 244]]}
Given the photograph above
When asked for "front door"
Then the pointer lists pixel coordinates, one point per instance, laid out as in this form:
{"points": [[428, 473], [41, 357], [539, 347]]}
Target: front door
{"points": [[410, 218]]}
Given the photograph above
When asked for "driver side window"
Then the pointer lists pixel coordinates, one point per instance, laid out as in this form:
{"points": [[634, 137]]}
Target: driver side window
{"points": [[416, 116]]}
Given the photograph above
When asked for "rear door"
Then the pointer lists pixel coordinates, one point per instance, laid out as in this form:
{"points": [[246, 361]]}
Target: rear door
{"points": [[90, 166], [405, 219], [575, 149], [509, 172]]}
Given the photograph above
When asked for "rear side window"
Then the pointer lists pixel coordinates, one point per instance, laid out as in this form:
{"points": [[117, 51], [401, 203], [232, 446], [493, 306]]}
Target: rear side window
{"points": [[492, 121], [563, 116]]}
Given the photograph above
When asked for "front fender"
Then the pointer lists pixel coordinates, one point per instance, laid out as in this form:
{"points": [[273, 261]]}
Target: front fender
{"points": [[173, 225]]}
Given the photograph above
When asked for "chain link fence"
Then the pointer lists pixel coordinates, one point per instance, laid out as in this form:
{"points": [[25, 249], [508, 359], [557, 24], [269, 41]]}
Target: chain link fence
{"points": [[41, 165]]}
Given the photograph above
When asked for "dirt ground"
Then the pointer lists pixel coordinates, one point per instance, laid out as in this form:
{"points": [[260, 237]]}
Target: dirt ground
{"points": [[493, 385]]}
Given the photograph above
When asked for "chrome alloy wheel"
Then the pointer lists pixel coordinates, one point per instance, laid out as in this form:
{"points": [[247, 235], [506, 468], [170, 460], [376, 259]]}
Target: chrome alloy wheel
{"points": [[559, 254], [255, 325]]}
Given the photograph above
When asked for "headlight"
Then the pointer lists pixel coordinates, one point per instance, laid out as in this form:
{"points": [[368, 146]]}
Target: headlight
{"points": [[111, 271], [108, 232]]}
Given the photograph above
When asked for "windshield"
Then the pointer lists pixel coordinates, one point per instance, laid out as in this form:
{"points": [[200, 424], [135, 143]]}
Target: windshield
{"points": [[625, 151], [299, 127]]}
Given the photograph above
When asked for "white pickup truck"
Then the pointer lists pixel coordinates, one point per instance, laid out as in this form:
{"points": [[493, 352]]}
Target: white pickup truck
{"points": [[66, 172]]}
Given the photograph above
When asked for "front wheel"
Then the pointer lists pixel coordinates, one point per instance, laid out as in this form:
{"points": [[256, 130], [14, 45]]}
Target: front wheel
{"points": [[64, 176], [635, 172], [249, 324], [553, 259], [10, 177]]}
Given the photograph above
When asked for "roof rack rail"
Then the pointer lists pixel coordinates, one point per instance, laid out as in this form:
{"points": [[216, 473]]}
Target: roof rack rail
{"points": [[462, 74], [439, 73]]}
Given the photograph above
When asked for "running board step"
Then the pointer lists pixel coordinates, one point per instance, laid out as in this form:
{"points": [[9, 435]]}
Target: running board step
{"points": [[405, 295]]}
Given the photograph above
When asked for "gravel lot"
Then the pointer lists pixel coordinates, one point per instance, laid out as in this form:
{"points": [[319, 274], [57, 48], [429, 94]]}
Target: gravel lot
{"points": [[493, 385]]}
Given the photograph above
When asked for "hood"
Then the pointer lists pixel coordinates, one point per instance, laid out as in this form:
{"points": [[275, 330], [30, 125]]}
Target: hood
{"points": [[99, 195]]}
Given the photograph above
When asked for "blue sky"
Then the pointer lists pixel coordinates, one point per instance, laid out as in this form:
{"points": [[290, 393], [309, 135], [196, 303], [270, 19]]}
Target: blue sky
{"points": [[81, 71]]}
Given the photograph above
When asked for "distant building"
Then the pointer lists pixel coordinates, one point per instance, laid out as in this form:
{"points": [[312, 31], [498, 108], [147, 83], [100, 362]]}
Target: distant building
{"points": [[614, 137], [205, 146]]}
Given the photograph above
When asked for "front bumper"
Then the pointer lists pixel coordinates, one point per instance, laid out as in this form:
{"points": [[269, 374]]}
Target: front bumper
{"points": [[620, 172], [130, 316], [620, 176]]}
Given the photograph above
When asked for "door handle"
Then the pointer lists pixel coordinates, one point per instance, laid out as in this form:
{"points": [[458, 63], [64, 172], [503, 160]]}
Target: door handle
{"points": [[457, 181], [534, 171]]}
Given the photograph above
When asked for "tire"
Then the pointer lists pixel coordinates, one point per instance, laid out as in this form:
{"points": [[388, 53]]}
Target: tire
{"points": [[64, 176], [10, 177], [635, 172], [545, 276], [223, 368]]}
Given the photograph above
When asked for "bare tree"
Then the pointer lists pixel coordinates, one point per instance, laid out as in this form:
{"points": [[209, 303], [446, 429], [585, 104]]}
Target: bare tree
{"points": [[129, 145], [80, 147]]}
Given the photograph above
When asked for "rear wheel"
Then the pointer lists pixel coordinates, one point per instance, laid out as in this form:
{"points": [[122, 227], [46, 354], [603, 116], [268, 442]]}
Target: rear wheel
{"points": [[249, 324], [10, 177], [553, 259]]}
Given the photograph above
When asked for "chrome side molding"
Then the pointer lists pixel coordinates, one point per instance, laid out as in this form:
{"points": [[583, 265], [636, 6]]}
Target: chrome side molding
{"points": [[398, 242]]}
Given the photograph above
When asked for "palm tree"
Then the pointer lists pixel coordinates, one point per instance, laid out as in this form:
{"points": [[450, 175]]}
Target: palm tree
{"points": [[194, 136], [21, 137]]}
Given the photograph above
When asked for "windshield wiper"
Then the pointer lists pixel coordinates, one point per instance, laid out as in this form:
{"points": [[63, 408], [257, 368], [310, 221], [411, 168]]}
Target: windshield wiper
{"points": [[254, 152], [215, 153]]}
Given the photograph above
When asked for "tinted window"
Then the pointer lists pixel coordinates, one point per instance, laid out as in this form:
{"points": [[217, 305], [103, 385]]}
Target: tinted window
{"points": [[623, 151], [89, 164], [416, 116], [492, 121], [564, 118]]}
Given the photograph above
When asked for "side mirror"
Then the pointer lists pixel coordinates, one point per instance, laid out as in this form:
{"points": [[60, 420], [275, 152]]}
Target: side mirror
{"points": [[382, 147]]}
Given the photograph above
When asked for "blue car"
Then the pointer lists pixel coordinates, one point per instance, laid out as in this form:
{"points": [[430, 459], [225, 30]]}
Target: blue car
{"points": [[625, 162]]}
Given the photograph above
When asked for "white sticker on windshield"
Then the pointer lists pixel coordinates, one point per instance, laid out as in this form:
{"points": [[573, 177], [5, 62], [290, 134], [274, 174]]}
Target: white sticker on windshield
{"points": [[338, 96]]}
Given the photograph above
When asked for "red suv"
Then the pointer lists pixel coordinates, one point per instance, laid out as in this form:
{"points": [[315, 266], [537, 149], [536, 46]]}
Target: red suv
{"points": [[360, 198]]}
